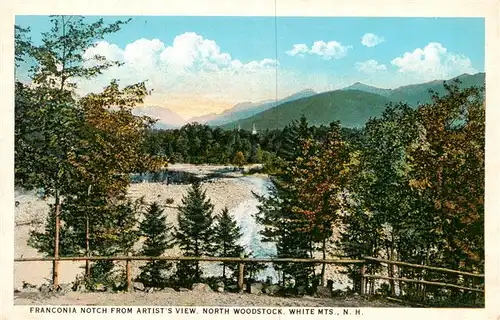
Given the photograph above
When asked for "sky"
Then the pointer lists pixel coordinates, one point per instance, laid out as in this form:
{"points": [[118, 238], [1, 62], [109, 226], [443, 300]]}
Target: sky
{"points": [[200, 65]]}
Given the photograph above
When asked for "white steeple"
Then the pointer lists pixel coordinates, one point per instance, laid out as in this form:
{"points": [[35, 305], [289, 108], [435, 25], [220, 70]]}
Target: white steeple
{"points": [[254, 131]]}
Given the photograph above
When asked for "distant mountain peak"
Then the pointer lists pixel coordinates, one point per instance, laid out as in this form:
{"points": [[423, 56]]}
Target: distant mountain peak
{"points": [[367, 88], [306, 91], [166, 117], [359, 84]]}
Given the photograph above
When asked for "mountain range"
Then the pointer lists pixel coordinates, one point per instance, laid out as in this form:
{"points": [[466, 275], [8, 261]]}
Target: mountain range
{"points": [[167, 119], [352, 105], [247, 109]]}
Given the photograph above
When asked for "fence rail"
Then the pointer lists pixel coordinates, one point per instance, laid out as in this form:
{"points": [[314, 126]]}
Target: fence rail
{"points": [[242, 261], [412, 265], [425, 267], [434, 283], [182, 258]]}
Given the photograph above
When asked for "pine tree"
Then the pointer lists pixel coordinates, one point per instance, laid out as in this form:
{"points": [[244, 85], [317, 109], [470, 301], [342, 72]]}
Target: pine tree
{"points": [[194, 233], [283, 225], [43, 240], [292, 134], [256, 154], [227, 234], [158, 239]]}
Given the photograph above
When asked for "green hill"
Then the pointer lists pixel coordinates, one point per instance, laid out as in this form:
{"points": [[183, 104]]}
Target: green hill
{"points": [[353, 108], [419, 93]]}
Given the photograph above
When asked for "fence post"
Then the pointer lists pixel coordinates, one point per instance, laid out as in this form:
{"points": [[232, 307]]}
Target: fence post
{"points": [[363, 279], [241, 274], [129, 275], [55, 263]]}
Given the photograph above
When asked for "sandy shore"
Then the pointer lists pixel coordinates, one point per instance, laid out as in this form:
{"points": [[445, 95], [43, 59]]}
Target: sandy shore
{"points": [[32, 211]]}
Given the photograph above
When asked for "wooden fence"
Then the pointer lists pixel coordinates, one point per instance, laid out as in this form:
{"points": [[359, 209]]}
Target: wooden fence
{"points": [[364, 276], [242, 261]]}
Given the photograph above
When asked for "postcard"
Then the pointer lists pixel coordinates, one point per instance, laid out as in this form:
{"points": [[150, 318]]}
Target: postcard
{"points": [[276, 159]]}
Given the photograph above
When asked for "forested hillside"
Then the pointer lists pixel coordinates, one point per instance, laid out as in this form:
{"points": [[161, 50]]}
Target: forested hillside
{"points": [[352, 106]]}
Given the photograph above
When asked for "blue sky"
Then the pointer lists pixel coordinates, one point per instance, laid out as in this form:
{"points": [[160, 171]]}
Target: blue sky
{"points": [[215, 62]]}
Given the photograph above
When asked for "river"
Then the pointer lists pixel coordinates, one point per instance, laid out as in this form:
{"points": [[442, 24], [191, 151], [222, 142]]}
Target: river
{"points": [[251, 239]]}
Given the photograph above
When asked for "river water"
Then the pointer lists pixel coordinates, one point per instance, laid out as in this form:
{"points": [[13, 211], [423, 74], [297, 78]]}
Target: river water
{"points": [[251, 239]]}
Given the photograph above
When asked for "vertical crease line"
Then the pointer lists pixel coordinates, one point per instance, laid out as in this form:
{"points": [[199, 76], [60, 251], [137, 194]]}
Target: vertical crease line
{"points": [[276, 45]]}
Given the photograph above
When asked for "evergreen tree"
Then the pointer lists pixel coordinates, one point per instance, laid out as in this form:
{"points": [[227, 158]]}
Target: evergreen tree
{"points": [[292, 134], [194, 233], [227, 234], [158, 239], [289, 229], [44, 240], [256, 154]]}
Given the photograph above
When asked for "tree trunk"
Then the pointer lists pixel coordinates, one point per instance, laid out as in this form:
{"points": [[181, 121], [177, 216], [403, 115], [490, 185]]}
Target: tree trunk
{"points": [[55, 263], [196, 263], [87, 247], [391, 271], [427, 262], [323, 267], [400, 274], [197, 271], [362, 280], [87, 238]]}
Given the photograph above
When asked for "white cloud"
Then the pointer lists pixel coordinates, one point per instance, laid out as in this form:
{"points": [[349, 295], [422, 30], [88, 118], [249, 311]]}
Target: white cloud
{"points": [[103, 48], [331, 49], [326, 50], [143, 53], [191, 51], [298, 49], [434, 61], [371, 40], [190, 66], [370, 66]]}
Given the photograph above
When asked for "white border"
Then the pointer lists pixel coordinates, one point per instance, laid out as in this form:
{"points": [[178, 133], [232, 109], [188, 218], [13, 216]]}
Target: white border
{"points": [[335, 8]]}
